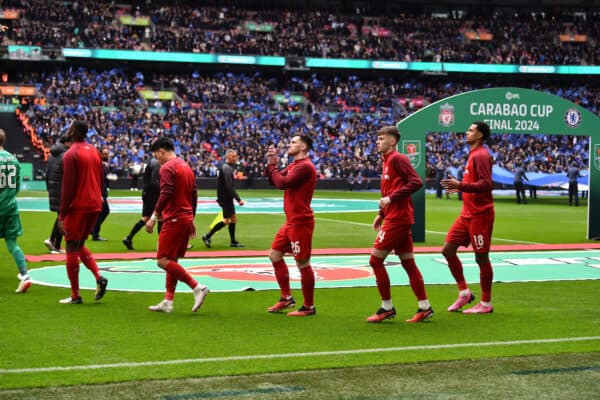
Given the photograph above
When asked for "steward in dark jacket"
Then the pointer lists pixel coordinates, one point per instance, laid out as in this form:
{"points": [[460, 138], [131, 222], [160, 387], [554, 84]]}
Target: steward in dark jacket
{"points": [[54, 177], [54, 174]]}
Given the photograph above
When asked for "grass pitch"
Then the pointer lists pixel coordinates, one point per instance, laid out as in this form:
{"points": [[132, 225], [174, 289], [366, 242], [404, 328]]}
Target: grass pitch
{"points": [[45, 344]]}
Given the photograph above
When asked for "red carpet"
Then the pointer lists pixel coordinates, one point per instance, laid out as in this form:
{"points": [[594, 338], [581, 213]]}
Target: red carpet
{"points": [[257, 253]]}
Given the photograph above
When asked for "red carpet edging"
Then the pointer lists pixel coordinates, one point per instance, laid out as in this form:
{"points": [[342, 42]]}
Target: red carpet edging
{"points": [[258, 253]]}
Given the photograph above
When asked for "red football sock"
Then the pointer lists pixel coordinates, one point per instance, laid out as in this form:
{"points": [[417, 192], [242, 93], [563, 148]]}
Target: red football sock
{"points": [[73, 272], [282, 275], [171, 285], [456, 269], [180, 274], [415, 278], [381, 277], [88, 260], [486, 276], [307, 278]]}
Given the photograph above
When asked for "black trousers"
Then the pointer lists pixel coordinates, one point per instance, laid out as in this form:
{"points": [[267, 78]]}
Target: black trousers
{"points": [[573, 193], [520, 191], [103, 214]]}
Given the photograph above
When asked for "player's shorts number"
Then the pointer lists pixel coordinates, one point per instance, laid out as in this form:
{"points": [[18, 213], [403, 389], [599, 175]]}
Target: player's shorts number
{"points": [[295, 247], [8, 174], [478, 241], [381, 236]]}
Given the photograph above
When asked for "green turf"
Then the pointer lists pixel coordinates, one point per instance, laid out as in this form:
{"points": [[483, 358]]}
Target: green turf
{"points": [[38, 332], [565, 376], [119, 329]]}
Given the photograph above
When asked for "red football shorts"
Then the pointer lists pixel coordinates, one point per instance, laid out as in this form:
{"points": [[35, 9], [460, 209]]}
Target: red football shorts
{"points": [[79, 224], [476, 231], [174, 237], [295, 239], [394, 237]]}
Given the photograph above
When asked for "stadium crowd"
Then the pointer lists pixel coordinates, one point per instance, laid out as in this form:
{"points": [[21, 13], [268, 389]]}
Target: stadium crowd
{"points": [[478, 36], [213, 112], [535, 153]]}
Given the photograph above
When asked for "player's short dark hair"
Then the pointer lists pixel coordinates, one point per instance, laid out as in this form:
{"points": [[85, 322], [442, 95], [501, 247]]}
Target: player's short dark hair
{"points": [[307, 139], [80, 130], [483, 128], [390, 130], [162, 143]]}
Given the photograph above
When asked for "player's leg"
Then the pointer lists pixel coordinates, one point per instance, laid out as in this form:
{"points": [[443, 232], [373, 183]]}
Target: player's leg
{"points": [[72, 264], [300, 237], [99, 220], [148, 203], [404, 250], [54, 242], [172, 245], [458, 235], [17, 254], [10, 230], [384, 243], [232, 241], [86, 257], [424, 309], [227, 211], [280, 246], [128, 240], [481, 233]]}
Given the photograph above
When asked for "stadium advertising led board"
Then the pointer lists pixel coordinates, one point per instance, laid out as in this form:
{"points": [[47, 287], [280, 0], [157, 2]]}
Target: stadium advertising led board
{"points": [[137, 55]]}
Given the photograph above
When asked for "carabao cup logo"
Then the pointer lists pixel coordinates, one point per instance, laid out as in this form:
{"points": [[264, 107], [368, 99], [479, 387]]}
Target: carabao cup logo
{"points": [[412, 150]]}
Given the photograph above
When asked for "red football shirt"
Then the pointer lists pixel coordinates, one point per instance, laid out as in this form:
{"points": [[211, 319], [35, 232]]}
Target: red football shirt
{"points": [[477, 184], [83, 177], [398, 181], [178, 195], [298, 181]]}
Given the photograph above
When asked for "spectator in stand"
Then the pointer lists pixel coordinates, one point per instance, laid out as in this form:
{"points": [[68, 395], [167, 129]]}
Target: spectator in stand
{"points": [[136, 171], [339, 118]]}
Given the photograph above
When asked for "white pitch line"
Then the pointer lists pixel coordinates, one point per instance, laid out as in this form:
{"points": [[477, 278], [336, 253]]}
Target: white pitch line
{"points": [[295, 355], [427, 231], [345, 222], [493, 238]]}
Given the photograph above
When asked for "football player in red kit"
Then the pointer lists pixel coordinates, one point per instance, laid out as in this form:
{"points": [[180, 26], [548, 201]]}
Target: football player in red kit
{"points": [[176, 208], [394, 223], [80, 205], [298, 181], [475, 223]]}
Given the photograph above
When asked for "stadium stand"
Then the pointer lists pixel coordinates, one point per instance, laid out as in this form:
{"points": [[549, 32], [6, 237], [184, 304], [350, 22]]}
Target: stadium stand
{"points": [[207, 111]]}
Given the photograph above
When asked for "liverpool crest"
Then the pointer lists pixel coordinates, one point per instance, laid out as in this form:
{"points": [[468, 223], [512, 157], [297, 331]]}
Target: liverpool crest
{"points": [[446, 116]]}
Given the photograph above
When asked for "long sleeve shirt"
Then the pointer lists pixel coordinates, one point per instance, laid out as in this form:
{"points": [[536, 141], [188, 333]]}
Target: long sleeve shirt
{"points": [[398, 181], [477, 184], [298, 180], [225, 185], [83, 180], [178, 195]]}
